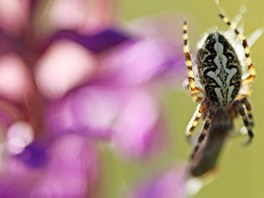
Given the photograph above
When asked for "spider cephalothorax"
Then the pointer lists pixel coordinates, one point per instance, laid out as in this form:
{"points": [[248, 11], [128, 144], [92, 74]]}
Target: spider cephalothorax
{"points": [[221, 79]]}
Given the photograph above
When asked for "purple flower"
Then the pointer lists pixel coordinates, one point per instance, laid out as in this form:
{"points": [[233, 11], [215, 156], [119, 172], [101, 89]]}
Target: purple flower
{"points": [[170, 184], [67, 86], [72, 171], [174, 182]]}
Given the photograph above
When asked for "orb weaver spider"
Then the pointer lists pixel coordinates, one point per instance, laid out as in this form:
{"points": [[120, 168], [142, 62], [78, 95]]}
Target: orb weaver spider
{"points": [[221, 80]]}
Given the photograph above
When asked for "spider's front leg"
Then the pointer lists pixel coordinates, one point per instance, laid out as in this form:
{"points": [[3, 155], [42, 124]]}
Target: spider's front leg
{"points": [[206, 127], [240, 109], [195, 91], [195, 119]]}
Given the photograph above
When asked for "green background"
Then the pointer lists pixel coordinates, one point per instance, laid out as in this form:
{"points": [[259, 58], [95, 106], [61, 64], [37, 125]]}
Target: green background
{"points": [[241, 170]]}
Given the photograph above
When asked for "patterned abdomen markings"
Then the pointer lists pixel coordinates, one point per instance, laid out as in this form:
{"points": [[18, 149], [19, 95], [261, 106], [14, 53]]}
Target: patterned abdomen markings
{"points": [[219, 69]]}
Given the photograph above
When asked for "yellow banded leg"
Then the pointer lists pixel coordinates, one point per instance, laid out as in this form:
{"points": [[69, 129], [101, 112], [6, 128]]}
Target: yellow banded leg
{"points": [[241, 111], [192, 86], [195, 119], [206, 127], [248, 106], [249, 77]]}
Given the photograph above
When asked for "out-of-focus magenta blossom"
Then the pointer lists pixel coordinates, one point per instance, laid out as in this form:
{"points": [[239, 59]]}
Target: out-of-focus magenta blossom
{"points": [[170, 184], [99, 111], [62, 91], [174, 182], [14, 15], [85, 16], [142, 61], [72, 171]]}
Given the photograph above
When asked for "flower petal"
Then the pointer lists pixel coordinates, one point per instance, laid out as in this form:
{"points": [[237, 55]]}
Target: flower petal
{"points": [[72, 170], [142, 61], [101, 14], [171, 184], [34, 155], [87, 16], [58, 13], [137, 129], [131, 118], [15, 77], [91, 111], [97, 43], [14, 15], [65, 65]]}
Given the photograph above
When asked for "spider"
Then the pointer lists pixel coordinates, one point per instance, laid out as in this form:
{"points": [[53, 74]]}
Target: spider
{"points": [[221, 80]]}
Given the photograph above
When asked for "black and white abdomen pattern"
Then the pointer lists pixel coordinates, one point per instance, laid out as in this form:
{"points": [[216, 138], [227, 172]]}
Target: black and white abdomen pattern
{"points": [[219, 69]]}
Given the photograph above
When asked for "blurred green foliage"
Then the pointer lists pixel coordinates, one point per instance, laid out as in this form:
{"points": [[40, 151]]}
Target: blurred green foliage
{"points": [[241, 170]]}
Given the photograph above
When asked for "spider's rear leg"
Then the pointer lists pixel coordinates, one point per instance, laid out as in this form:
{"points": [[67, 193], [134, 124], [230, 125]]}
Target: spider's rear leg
{"points": [[195, 119], [195, 91], [248, 106], [244, 100], [206, 127], [238, 105], [249, 77]]}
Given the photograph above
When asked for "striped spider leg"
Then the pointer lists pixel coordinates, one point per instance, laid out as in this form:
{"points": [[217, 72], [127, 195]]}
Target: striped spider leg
{"points": [[200, 110], [242, 105], [248, 106], [250, 76], [240, 109], [207, 125], [194, 90]]}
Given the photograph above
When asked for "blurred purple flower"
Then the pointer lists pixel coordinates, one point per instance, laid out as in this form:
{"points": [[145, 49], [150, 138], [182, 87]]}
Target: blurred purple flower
{"points": [[99, 111], [170, 184], [175, 182], [72, 171], [68, 84]]}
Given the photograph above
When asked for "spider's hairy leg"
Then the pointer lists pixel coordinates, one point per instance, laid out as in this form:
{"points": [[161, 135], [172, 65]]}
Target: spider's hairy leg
{"points": [[195, 119], [238, 105], [206, 127], [249, 77], [192, 85], [248, 106]]}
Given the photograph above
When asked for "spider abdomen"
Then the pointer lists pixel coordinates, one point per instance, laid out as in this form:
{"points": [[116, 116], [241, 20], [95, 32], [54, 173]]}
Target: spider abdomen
{"points": [[219, 69]]}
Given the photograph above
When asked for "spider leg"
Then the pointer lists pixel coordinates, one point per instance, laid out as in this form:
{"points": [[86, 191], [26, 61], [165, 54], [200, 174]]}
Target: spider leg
{"points": [[237, 19], [238, 105], [248, 106], [195, 119], [244, 94], [249, 77], [206, 127], [192, 85]]}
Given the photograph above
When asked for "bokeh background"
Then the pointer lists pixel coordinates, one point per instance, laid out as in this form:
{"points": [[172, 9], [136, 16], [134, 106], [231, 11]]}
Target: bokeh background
{"points": [[241, 170], [92, 103]]}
